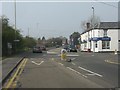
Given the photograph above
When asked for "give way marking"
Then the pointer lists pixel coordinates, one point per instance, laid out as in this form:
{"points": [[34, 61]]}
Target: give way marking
{"points": [[37, 63]]}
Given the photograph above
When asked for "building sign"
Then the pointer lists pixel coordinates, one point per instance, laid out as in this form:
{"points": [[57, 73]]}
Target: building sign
{"points": [[100, 38]]}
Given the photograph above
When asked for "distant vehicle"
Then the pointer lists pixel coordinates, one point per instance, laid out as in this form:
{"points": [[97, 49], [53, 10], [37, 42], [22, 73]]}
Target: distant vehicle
{"points": [[43, 48], [73, 48], [57, 46], [66, 47], [37, 49]]}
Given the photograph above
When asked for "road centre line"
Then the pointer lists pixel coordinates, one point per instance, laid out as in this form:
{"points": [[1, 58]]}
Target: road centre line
{"points": [[60, 64], [90, 71], [73, 58], [77, 72], [70, 55], [73, 63]]}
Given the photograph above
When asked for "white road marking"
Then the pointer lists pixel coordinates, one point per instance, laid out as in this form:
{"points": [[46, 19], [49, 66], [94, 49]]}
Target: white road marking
{"points": [[109, 61], [91, 74], [70, 55], [51, 52], [60, 64], [73, 63], [73, 58], [37, 63], [53, 59], [92, 55], [76, 72], [90, 71]]}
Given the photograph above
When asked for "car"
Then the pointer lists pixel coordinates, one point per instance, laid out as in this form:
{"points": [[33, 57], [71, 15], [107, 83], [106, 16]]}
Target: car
{"points": [[57, 46], [37, 49], [66, 47], [72, 49], [43, 48]]}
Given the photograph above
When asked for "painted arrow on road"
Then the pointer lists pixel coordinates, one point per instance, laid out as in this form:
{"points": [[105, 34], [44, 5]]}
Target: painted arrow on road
{"points": [[37, 63]]}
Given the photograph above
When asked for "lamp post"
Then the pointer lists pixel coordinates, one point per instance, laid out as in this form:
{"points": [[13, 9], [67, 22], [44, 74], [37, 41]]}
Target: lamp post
{"points": [[93, 27]]}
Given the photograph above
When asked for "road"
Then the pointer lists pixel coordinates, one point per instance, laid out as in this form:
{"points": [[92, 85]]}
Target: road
{"points": [[87, 70]]}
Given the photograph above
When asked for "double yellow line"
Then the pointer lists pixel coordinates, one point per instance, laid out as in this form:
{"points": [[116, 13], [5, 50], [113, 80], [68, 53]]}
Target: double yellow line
{"points": [[11, 83]]}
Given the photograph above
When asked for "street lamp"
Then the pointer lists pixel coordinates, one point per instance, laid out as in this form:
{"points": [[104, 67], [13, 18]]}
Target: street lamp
{"points": [[93, 17], [93, 27], [15, 22]]}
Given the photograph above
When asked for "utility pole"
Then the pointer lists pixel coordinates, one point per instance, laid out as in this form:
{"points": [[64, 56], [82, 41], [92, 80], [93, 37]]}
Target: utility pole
{"points": [[93, 28], [38, 29], [15, 23], [28, 32]]}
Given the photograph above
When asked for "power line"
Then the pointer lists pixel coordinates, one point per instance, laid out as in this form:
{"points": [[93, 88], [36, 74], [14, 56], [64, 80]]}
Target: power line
{"points": [[107, 4]]}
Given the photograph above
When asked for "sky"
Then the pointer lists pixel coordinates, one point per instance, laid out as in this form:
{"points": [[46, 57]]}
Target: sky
{"points": [[53, 19]]}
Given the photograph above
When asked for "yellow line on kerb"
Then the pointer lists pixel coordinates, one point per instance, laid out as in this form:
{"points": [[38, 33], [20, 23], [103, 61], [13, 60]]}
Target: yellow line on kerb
{"points": [[14, 76], [21, 70]]}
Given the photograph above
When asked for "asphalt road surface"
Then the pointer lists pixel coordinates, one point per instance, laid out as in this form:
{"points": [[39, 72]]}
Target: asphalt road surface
{"points": [[87, 70]]}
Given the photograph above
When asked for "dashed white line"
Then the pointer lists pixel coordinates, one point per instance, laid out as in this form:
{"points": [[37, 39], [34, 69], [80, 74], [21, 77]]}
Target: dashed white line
{"points": [[73, 58], [70, 55], [53, 59], [90, 71], [73, 63], [76, 72], [60, 64]]}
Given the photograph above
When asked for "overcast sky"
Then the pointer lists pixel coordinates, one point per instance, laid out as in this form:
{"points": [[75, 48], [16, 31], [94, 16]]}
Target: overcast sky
{"points": [[56, 18]]}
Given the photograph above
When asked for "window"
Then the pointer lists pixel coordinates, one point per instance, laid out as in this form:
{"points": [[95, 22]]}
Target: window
{"points": [[105, 32], [105, 44]]}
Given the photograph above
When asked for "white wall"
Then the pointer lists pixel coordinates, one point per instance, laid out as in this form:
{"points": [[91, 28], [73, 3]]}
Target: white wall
{"points": [[114, 39], [118, 39], [112, 33]]}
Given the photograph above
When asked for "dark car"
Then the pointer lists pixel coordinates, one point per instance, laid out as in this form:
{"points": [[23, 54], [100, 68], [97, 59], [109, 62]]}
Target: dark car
{"points": [[37, 49], [57, 46], [73, 49], [66, 47], [43, 48]]}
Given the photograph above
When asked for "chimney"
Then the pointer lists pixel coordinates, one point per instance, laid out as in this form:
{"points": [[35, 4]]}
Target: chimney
{"points": [[88, 25]]}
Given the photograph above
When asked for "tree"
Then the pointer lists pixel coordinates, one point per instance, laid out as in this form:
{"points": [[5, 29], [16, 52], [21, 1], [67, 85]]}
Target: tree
{"points": [[74, 36], [29, 42], [53, 42], [94, 22]]}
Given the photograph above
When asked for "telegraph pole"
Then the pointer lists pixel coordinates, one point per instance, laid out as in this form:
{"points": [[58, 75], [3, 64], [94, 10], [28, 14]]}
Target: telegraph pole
{"points": [[15, 22], [93, 27], [28, 32]]}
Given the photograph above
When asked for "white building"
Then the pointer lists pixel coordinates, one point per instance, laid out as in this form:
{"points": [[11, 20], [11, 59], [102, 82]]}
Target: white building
{"points": [[104, 38]]}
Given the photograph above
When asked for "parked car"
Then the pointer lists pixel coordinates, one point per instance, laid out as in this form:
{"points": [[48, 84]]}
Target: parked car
{"points": [[37, 49], [66, 47], [57, 46], [43, 48], [72, 49]]}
